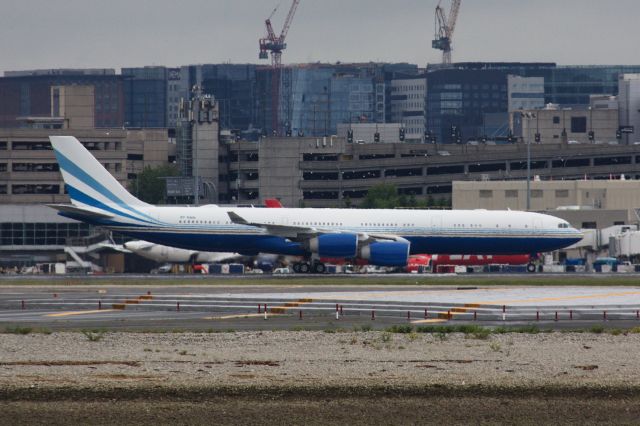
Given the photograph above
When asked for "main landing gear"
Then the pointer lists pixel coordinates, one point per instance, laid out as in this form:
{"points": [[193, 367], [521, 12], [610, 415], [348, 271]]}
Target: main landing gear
{"points": [[309, 267]]}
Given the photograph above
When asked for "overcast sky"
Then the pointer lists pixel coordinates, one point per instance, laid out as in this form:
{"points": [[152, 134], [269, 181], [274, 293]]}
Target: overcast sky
{"points": [[122, 33]]}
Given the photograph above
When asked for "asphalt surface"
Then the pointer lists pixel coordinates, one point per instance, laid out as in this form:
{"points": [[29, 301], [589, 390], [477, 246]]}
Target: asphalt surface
{"points": [[205, 307]]}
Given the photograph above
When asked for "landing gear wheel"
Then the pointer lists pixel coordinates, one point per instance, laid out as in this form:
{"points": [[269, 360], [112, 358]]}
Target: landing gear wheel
{"points": [[319, 268], [531, 268], [304, 267], [296, 268]]}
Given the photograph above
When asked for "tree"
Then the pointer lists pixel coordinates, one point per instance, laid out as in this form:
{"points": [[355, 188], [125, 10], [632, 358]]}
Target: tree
{"points": [[149, 185], [381, 196]]}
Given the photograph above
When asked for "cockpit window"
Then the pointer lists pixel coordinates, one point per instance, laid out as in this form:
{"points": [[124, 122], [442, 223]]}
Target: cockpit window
{"points": [[563, 225]]}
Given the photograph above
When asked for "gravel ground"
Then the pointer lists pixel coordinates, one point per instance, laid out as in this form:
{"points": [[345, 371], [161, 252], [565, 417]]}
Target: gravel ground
{"points": [[318, 359], [312, 377]]}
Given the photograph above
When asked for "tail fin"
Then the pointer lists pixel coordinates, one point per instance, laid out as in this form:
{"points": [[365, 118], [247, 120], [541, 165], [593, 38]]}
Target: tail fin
{"points": [[88, 183], [273, 203]]}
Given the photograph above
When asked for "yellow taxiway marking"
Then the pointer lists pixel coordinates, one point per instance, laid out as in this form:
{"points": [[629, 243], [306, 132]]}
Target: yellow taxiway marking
{"points": [[66, 314], [426, 321], [240, 316]]}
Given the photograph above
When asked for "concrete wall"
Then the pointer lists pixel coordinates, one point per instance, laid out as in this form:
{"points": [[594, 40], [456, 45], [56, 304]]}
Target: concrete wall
{"points": [[76, 104], [389, 132], [591, 196], [121, 152], [551, 123]]}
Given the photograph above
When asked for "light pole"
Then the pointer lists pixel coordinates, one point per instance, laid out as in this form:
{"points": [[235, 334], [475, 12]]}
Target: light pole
{"points": [[197, 91], [528, 116]]}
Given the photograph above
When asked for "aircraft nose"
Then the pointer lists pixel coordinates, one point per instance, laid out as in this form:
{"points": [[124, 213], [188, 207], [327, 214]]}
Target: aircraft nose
{"points": [[578, 234]]}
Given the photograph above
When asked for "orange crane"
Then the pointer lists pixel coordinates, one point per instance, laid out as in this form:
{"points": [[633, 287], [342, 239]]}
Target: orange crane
{"points": [[275, 45], [445, 27]]}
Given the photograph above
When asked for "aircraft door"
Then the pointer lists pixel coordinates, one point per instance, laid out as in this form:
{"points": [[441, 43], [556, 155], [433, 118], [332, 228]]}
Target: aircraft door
{"points": [[436, 224]]}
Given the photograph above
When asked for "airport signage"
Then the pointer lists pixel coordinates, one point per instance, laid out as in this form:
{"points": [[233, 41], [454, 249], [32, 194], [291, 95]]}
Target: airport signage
{"points": [[180, 186], [626, 129]]}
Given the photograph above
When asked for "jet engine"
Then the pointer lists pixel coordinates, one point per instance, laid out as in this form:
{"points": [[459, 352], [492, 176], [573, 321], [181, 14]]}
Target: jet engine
{"points": [[334, 245], [386, 253]]}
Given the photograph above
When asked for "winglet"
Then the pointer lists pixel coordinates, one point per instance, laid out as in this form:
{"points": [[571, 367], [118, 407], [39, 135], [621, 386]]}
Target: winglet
{"points": [[236, 218]]}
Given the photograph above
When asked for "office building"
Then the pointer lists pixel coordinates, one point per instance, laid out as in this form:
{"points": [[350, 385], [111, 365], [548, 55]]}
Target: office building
{"points": [[407, 100], [145, 94], [28, 94], [629, 102]]}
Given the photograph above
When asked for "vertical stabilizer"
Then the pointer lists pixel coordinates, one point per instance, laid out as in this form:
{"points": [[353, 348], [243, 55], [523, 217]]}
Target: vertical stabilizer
{"points": [[89, 183]]}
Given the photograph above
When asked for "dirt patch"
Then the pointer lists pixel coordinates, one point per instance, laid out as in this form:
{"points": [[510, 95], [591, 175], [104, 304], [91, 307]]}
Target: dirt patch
{"points": [[68, 363], [586, 367], [124, 377], [267, 363]]}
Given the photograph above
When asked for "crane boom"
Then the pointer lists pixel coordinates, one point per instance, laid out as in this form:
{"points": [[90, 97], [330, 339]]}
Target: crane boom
{"points": [[453, 16], [287, 22]]}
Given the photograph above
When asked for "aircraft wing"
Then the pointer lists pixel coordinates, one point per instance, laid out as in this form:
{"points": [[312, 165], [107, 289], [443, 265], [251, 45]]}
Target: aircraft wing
{"points": [[299, 233], [286, 231]]}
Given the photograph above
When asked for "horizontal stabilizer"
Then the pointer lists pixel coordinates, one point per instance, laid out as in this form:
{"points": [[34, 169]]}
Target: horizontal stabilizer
{"points": [[80, 211]]}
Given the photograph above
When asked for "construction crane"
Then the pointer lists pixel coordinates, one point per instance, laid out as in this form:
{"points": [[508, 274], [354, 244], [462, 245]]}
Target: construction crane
{"points": [[275, 45], [444, 29]]}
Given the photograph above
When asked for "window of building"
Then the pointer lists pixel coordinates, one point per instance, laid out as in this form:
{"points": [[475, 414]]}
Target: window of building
{"points": [[556, 119], [31, 146], [33, 167], [486, 193], [35, 189], [511, 193], [536, 193], [578, 124], [589, 225], [562, 193]]}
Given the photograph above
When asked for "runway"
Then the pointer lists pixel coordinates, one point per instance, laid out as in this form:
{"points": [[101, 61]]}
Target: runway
{"points": [[246, 307]]}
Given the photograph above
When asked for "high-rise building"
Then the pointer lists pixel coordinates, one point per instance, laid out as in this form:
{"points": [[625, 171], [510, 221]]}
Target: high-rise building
{"points": [[407, 100], [572, 85], [629, 104], [145, 93]]}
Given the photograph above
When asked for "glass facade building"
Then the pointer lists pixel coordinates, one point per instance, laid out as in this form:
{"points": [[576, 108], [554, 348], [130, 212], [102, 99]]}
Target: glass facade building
{"points": [[145, 92], [572, 85]]}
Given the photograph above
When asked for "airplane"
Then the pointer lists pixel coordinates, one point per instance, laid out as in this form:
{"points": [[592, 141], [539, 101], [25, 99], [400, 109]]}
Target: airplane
{"points": [[162, 253], [384, 237]]}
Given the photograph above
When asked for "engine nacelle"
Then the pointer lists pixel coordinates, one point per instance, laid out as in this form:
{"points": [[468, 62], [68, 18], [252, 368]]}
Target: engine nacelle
{"points": [[334, 245], [386, 253]]}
